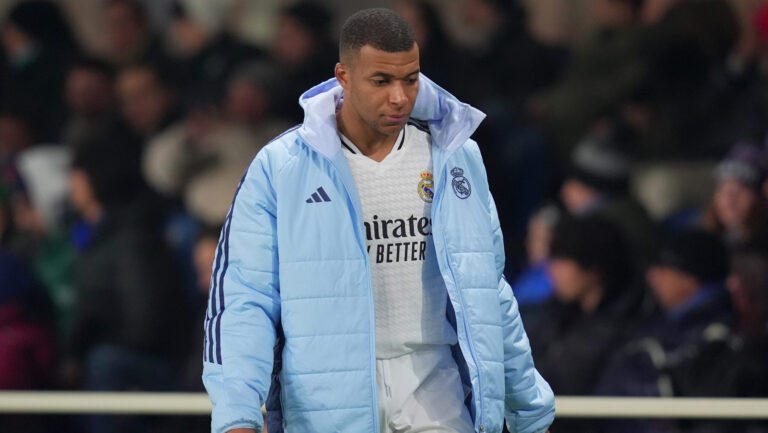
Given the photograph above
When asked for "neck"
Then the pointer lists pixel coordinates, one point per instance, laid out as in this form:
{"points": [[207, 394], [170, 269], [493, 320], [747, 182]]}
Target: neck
{"points": [[371, 143]]}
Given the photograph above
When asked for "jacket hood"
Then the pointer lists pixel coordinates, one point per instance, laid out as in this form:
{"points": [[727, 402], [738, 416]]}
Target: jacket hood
{"points": [[451, 122]]}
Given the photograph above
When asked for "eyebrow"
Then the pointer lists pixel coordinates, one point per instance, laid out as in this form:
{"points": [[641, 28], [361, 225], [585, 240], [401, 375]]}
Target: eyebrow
{"points": [[390, 76]]}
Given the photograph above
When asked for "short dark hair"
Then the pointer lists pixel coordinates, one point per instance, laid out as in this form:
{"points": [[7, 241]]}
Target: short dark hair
{"points": [[383, 29]]}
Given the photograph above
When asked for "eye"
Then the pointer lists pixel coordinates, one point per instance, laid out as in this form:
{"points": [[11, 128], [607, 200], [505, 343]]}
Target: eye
{"points": [[379, 81], [412, 80]]}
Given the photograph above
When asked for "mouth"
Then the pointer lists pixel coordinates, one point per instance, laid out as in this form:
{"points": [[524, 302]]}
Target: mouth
{"points": [[398, 118]]}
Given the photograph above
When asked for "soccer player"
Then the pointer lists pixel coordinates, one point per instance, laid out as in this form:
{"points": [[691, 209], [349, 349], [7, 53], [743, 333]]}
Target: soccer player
{"points": [[358, 285]]}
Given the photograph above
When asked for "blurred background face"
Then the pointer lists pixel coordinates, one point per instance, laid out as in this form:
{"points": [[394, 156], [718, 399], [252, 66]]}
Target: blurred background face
{"points": [[671, 286], [245, 103], [144, 102], [411, 12], [654, 10], [13, 39], [293, 42], [14, 137], [733, 202], [89, 92], [570, 280], [537, 241], [612, 13], [125, 29], [576, 196], [748, 286], [479, 14], [187, 37]]}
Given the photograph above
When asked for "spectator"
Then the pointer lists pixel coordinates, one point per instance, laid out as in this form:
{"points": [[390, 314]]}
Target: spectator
{"points": [[205, 53], [129, 35], [249, 100], [687, 281], [598, 184], [738, 359], [591, 272], [501, 84], [27, 339], [534, 286], [146, 100], [129, 310], [602, 75], [27, 358], [685, 86], [39, 44], [90, 97], [202, 159], [304, 52], [17, 134], [738, 212], [436, 49]]}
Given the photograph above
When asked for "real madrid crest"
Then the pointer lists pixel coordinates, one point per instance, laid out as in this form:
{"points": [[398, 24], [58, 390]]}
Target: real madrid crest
{"points": [[426, 186], [460, 183]]}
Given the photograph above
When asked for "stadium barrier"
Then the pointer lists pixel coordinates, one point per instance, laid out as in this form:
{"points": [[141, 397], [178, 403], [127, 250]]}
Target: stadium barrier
{"points": [[22, 402]]}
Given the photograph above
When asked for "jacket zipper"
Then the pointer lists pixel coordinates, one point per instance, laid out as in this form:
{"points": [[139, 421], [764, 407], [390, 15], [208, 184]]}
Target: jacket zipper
{"points": [[470, 342], [371, 308]]}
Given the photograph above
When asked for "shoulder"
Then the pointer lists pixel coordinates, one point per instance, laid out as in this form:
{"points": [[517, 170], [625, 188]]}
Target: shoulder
{"points": [[470, 153], [277, 152]]}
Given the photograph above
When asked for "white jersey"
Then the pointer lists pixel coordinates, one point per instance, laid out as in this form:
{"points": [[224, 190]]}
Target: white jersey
{"points": [[396, 197]]}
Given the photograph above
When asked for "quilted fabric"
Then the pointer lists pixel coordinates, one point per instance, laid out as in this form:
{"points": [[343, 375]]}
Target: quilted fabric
{"points": [[303, 267]]}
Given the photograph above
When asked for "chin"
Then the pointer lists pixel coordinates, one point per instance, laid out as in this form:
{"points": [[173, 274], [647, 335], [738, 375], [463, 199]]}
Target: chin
{"points": [[390, 129]]}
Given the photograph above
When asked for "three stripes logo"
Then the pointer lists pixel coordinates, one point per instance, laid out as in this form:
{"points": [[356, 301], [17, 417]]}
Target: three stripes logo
{"points": [[318, 196]]}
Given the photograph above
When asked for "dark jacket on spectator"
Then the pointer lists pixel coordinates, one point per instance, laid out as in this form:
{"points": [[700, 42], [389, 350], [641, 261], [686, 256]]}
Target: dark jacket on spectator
{"points": [[127, 294], [672, 354], [561, 333]]}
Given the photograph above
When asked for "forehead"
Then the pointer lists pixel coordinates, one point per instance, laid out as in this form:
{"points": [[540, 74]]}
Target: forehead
{"points": [[370, 60]]}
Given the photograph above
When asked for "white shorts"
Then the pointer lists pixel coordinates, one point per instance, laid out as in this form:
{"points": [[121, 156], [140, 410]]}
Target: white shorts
{"points": [[421, 392]]}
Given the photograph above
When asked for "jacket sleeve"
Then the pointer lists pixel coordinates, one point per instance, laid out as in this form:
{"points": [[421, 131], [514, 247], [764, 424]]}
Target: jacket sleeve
{"points": [[529, 401], [244, 305]]}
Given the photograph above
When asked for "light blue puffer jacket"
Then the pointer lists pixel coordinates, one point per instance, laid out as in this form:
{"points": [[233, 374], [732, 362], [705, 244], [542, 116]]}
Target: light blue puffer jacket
{"points": [[302, 268]]}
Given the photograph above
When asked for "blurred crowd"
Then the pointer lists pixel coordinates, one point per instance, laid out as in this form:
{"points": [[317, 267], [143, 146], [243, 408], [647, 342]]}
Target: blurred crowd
{"points": [[629, 172]]}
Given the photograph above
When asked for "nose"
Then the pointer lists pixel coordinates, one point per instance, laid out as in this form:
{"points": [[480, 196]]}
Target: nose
{"points": [[397, 94]]}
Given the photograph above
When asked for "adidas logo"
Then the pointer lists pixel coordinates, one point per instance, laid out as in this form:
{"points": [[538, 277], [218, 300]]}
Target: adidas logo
{"points": [[318, 196]]}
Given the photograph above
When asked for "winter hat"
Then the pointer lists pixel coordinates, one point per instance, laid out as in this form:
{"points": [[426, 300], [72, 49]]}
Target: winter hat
{"points": [[594, 243], [695, 252], [746, 163], [599, 164]]}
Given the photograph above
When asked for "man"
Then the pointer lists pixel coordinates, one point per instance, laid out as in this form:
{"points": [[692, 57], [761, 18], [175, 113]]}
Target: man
{"points": [[362, 212], [670, 352]]}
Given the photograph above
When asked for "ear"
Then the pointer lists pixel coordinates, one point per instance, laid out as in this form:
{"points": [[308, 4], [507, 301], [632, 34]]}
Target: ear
{"points": [[341, 71]]}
